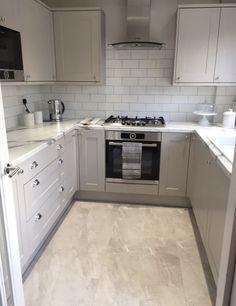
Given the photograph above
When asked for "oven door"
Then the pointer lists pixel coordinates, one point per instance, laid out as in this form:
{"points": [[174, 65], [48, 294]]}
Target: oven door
{"points": [[150, 164]]}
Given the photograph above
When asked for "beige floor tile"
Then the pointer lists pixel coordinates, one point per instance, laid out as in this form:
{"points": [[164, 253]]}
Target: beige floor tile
{"points": [[111, 254]]}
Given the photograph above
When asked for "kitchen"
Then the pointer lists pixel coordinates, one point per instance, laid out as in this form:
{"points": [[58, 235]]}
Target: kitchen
{"points": [[139, 173]]}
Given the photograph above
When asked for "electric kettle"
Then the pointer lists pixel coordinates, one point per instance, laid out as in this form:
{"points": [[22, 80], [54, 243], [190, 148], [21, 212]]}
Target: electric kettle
{"points": [[56, 110]]}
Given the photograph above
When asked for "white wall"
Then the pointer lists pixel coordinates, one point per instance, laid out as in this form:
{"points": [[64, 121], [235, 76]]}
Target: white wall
{"points": [[163, 17]]}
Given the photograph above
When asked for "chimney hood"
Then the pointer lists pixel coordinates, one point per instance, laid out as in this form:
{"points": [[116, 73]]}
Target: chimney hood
{"points": [[138, 27]]}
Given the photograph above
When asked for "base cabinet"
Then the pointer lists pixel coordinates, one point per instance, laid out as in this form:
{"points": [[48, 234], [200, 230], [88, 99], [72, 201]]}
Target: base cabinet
{"points": [[92, 159], [174, 164], [208, 190], [43, 195]]}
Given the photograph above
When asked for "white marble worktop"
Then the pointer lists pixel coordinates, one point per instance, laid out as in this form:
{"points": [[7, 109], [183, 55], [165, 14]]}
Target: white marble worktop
{"points": [[23, 142]]}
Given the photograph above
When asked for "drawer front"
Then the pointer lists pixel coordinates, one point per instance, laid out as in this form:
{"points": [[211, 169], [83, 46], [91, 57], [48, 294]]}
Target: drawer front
{"points": [[40, 224], [40, 188], [60, 146], [38, 162], [69, 190]]}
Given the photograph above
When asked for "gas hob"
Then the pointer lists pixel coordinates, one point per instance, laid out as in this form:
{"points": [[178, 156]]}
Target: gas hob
{"points": [[136, 121]]}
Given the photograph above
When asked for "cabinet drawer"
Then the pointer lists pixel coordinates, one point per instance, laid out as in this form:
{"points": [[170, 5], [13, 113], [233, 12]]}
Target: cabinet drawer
{"points": [[38, 162], [40, 224], [60, 146], [69, 190], [39, 189]]}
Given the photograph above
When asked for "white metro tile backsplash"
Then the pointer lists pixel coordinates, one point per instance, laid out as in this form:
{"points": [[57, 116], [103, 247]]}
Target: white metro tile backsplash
{"points": [[12, 102], [138, 82]]}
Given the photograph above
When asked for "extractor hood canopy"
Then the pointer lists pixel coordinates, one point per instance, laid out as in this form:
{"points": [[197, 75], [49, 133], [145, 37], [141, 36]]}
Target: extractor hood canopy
{"points": [[138, 27]]}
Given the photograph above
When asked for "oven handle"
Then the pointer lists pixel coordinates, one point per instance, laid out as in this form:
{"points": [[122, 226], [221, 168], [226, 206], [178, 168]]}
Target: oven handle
{"points": [[146, 145]]}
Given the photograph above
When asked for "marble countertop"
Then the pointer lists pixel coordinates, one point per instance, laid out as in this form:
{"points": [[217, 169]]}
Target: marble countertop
{"points": [[23, 142]]}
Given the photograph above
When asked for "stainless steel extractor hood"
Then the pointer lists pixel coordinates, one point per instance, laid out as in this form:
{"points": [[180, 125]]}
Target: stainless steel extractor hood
{"points": [[138, 27]]}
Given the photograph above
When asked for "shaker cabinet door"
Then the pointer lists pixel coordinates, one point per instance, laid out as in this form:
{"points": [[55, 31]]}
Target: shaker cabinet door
{"points": [[174, 164], [37, 42], [92, 160], [226, 55], [218, 190], [78, 45], [196, 45]]}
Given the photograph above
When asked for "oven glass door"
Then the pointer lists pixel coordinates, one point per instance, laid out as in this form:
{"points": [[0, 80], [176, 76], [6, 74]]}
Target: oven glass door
{"points": [[10, 49], [150, 160]]}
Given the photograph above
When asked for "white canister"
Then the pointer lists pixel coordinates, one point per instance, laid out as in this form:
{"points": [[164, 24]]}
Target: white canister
{"points": [[29, 120], [229, 119], [38, 117]]}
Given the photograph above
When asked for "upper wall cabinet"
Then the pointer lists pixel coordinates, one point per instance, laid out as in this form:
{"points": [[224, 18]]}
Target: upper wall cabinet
{"points": [[37, 42], [9, 14], [226, 54], [79, 45], [205, 45]]}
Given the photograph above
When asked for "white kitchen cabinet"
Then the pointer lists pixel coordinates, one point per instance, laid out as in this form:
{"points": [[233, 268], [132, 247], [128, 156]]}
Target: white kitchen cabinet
{"points": [[10, 14], [37, 42], [42, 193], [92, 159], [71, 165], [79, 45], [196, 43], [174, 164], [225, 71], [218, 194], [198, 182], [209, 186]]}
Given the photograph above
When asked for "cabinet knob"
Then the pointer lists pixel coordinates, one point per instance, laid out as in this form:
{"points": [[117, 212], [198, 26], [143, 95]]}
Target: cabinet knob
{"points": [[95, 78], [217, 78], [38, 217], [61, 189], [36, 183], [34, 165], [60, 161], [178, 78], [59, 147]]}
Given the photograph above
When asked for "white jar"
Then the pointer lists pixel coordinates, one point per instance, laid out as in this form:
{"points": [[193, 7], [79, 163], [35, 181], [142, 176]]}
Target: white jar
{"points": [[229, 119], [38, 117], [29, 120]]}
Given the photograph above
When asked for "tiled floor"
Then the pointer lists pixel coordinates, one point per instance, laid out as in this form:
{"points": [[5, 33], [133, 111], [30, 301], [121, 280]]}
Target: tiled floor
{"points": [[121, 255]]}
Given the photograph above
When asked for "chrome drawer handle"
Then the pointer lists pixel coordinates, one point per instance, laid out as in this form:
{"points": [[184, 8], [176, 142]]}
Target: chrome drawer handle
{"points": [[59, 147], [36, 183], [60, 161], [61, 189], [34, 165], [38, 217]]}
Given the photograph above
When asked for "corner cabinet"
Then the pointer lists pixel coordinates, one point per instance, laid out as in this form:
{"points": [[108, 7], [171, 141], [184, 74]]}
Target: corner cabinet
{"points": [[92, 159], [37, 42], [79, 45], [205, 45], [208, 190], [174, 164]]}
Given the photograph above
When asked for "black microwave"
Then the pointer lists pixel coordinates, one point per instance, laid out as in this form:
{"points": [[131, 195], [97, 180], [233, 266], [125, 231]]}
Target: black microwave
{"points": [[11, 63]]}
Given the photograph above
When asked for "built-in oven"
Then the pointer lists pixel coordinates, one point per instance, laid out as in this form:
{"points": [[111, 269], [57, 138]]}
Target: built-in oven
{"points": [[133, 157], [11, 63]]}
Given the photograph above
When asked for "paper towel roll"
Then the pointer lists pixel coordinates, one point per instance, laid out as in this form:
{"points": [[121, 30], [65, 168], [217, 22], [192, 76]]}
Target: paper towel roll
{"points": [[29, 120], [38, 117]]}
